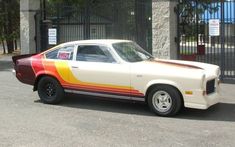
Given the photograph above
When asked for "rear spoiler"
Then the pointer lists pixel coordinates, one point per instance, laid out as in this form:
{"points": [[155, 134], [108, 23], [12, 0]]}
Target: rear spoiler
{"points": [[15, 58]]}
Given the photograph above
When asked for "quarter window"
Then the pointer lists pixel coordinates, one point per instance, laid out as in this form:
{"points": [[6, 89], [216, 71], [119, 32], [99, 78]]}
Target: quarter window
{"points": [[94, 53], [64, 53]]}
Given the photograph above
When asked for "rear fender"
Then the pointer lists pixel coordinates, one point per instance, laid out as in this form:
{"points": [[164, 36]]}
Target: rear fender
{"points": [[42, 74]]}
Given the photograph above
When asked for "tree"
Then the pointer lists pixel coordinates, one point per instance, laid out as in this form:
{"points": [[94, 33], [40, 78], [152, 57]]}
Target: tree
{"points": [[190, 10], [9, 23], [2, 31]]}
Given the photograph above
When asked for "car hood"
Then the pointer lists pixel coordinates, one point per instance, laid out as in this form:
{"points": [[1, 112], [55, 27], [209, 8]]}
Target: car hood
{"points": [[179, 67]]}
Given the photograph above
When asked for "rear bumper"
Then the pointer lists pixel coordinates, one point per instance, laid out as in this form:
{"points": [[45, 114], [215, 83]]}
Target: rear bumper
{"points": [[22, 79]]}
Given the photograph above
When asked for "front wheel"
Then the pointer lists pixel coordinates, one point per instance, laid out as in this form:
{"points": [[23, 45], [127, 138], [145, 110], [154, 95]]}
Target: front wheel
{"points": [[164, 100], [50, 91]]}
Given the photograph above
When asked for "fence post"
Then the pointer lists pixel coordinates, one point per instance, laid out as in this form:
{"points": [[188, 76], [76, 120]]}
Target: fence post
{"points": [[222, 34], [28, 9], [164, 28], [87, 20]]}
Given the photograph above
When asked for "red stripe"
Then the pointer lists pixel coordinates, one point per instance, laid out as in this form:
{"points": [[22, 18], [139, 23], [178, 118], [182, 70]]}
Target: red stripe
{"points": [[177, 64]]}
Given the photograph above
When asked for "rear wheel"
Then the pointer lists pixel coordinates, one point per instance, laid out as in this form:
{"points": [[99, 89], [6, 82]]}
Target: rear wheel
{"points": [[50, 91], [164, 100]]}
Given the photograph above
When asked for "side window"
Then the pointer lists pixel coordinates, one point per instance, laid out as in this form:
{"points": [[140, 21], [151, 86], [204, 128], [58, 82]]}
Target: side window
{"points": [[94, 53], [64, 53]]}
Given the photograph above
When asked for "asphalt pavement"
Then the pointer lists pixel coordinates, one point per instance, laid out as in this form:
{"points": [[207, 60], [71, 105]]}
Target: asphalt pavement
{"points": [[81, 121]]}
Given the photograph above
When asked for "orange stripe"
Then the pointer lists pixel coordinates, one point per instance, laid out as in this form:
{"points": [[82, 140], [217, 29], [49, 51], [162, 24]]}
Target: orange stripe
{"points": [[104, 88]]}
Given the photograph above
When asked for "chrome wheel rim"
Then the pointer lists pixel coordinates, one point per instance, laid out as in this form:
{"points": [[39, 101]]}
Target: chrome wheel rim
{"points": [[162, 101]]}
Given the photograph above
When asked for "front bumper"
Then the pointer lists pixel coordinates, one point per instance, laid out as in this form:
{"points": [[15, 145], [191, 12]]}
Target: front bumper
{"points": [[202, 101]]}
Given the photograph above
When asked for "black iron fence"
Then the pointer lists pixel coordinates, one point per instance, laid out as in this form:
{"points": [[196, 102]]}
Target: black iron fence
{"points": [[113, 19], [206, 33]]}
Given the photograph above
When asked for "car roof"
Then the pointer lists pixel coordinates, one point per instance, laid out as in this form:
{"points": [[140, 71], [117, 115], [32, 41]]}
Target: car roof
{"points": [[92, 41], [96, 41]]}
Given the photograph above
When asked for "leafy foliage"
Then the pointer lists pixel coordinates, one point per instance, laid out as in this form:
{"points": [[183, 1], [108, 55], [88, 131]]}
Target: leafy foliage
{"points": [[9, 22]]}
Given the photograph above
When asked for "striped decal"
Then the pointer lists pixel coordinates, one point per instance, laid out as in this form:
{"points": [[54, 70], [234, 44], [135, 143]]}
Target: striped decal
{"points": [[176, 64], [60, 69], [104, 91], [105, 95]]}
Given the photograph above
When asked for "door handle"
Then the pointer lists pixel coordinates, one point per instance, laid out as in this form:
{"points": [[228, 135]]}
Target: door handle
{"points": [[74, 66]]}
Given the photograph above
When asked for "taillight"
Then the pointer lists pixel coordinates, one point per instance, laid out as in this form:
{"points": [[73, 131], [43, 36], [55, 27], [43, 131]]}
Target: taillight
{"points": [[15, 65]]}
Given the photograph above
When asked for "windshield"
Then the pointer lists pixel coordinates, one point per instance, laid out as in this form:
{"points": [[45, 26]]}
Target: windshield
{"points": [[131, 52]]}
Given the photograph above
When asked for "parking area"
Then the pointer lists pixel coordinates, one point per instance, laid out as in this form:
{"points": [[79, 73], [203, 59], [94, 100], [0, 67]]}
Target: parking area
{"points": [[85, 121]]}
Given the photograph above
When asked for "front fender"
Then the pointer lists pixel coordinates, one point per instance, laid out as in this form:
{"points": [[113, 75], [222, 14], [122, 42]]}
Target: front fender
{"points": [[163, 81]]}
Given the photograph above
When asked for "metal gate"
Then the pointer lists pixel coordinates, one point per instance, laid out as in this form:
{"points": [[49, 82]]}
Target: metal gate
{"points": [[206, 32], [108, 19]]}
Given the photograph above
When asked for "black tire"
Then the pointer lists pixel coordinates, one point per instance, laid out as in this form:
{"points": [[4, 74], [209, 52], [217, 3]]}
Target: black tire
{"points": [[164, 100], [50, 91]]}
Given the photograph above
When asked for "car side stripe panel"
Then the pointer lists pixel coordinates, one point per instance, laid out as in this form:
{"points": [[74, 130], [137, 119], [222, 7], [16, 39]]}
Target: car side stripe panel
{"points": [[60, 69], [105, 95], [103, 91]]}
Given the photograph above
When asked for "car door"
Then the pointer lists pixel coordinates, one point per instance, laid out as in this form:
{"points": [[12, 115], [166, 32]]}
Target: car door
{"points": [[96, 72]]}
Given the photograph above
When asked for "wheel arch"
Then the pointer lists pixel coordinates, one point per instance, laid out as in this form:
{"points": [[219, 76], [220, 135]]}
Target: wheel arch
{"points": [[154, 84], [39, 77]]}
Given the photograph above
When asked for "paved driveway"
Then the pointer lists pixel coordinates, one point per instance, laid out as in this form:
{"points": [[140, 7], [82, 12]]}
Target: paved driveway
{"points": [[84, 121]]}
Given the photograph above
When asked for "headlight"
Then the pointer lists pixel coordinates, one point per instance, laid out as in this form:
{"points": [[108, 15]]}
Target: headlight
{"points": [[203, 81], [218, 72]]}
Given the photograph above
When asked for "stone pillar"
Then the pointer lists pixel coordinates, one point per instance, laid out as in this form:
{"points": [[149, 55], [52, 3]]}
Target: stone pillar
{"points": [[164, 29], [28, 9]]}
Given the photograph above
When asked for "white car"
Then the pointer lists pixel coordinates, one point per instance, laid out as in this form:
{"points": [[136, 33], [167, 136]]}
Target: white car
{"points": [[119, 69]]}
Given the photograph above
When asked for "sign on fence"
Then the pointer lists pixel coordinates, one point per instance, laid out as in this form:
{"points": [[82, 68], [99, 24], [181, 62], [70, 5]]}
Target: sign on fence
{"points": [[52, 36], [214, 27]]}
